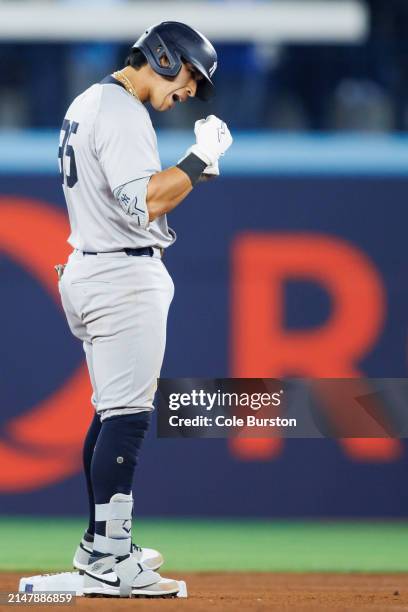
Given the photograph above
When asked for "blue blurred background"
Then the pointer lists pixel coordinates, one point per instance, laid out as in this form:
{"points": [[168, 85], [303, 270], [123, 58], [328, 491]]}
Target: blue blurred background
{"points": [[294, 66], [317, 100]]}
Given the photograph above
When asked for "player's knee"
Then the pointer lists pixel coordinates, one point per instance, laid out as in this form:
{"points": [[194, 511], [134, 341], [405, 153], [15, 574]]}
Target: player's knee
{"points": [[126, 433], [117, 453]]}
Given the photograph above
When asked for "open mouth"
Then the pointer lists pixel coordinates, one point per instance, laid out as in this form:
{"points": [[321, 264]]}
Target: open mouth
{"points": [[176, 98]]}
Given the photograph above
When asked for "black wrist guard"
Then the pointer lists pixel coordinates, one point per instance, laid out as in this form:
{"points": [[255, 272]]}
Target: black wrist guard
{"points": [[193, 166]]}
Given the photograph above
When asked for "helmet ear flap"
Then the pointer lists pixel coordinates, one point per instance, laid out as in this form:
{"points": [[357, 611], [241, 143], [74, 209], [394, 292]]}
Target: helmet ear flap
{"points": [[155, 49]]}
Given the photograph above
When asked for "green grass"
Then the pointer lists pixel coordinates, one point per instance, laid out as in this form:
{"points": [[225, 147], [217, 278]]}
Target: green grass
{"points": [[192, 545]]}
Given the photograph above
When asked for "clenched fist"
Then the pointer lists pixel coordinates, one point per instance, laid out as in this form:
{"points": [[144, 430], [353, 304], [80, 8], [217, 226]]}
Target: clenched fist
{"points": [[213, 139]]}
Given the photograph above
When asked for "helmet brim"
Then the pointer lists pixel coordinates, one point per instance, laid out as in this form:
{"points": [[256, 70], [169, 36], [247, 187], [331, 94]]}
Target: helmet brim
{"points": [[205, 89], [205, 86]]}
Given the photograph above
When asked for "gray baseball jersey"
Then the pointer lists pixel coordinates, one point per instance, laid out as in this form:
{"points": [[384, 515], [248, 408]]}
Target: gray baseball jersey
{"points": [[107, 155]]}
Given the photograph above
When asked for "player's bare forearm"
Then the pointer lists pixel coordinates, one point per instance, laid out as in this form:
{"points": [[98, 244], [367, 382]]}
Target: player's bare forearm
{"points": [[166, 190]]}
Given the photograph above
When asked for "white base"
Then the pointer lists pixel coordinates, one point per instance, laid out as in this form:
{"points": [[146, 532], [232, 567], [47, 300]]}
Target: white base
{"points": [[67, 581]]}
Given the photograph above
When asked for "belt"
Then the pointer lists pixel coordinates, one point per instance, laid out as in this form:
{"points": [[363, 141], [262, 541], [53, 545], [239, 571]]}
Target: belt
{"points": [[140, 252]]}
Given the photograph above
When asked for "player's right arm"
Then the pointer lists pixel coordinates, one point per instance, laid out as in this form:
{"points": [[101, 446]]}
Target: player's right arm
{"points": [[168, 188]]}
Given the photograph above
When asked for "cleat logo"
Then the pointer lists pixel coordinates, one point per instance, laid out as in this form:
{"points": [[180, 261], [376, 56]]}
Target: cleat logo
{"points": [[97, 566], [110, 582]]}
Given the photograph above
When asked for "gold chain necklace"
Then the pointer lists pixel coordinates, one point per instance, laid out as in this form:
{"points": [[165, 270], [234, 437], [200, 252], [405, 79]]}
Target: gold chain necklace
{"points": [[126, 82]]}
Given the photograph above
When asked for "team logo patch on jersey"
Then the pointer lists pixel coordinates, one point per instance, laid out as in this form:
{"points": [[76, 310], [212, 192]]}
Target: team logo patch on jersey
{"points": [[124, 199], [128, 202]]}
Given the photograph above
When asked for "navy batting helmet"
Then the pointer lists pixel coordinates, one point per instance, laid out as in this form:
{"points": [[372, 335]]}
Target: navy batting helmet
{"points": [[178, 42]]}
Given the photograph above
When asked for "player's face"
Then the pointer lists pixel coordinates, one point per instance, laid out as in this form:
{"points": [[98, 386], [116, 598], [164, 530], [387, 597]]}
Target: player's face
{"points": [[168, 92]]}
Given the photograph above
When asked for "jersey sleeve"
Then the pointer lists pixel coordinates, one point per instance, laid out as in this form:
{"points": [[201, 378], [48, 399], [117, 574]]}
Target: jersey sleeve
{"points": [[125, 142]]}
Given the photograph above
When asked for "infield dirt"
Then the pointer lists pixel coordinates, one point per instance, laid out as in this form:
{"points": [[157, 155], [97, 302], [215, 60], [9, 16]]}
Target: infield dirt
{"points": [[257, 591]]}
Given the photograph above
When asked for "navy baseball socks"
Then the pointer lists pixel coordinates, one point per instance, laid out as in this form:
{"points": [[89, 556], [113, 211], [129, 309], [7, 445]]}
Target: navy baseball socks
{"points": [[116, 568], [87, 454], [110, 456], [112, 469]]}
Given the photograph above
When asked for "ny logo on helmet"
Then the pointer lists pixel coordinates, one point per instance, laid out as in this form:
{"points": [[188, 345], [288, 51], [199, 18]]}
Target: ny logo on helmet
{"points": [[213, 69]]}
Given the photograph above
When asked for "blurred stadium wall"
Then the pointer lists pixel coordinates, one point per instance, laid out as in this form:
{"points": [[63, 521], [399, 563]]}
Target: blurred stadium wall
{"points": [[334, 201], [325, 193]]}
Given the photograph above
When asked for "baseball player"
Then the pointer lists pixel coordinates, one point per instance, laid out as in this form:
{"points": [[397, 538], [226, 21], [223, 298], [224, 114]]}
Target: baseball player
{"points": [[115, 289]]}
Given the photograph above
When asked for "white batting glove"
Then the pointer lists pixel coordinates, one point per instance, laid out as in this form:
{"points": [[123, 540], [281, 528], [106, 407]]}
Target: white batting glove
{"points": [[213, 139]]}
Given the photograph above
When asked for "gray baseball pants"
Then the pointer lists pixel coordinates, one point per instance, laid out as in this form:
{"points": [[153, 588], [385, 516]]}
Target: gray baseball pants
{"points": [[117, 305]]}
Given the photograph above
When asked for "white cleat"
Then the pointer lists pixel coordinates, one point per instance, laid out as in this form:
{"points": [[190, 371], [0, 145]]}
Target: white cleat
{"points": [[110, 576], [150, 558]]}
